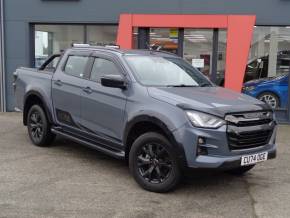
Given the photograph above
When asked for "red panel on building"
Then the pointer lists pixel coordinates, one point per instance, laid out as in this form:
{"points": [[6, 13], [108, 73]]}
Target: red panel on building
{"points": [[239, 36]]}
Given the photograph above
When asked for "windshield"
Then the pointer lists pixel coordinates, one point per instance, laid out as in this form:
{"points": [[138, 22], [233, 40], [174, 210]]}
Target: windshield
{"points": [[164, 71]]}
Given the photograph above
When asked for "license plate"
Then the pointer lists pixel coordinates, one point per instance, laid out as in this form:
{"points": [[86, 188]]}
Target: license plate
{"points": [[254, 158]]}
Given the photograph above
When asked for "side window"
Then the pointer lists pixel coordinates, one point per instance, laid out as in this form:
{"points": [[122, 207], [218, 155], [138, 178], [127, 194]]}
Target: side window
{"points": [[76, 65], [102, 67]]}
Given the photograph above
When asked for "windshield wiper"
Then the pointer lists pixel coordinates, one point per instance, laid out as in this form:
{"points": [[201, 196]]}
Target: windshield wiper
{"points": [[182, 85]]}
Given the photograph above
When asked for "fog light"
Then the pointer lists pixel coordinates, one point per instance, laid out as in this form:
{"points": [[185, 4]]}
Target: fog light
{"points": [[201, 150], [201, 140]]}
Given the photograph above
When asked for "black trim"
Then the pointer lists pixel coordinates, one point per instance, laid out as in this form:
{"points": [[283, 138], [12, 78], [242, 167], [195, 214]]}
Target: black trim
{"points": [[178, 148], [119, 154], [25, 110], [47, 62], [64, 117]]}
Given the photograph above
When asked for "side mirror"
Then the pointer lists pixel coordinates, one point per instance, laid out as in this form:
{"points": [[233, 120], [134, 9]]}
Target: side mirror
{"points": [[114, 81]]}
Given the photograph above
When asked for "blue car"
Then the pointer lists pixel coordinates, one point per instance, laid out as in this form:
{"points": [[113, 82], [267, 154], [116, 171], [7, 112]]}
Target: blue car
{"points": [[272, 90]]}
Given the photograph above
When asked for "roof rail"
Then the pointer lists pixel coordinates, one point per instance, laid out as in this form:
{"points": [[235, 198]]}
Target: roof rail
{"points": [[89, 45], [110, 47], [80, 45]]}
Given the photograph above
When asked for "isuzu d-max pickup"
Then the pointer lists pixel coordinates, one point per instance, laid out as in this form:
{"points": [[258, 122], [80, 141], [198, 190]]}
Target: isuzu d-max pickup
{"points": [[150, 108]]}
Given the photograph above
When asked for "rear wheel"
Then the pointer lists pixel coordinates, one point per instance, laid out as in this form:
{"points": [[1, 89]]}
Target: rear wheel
{"points": [[240, 170], [39, 127], [270, 98], [153, 163]]}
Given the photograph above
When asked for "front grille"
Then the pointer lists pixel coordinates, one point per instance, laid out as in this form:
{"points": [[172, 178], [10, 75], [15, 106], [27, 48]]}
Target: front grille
{"points": [[253, 122], [249, 139], [249, 130]]}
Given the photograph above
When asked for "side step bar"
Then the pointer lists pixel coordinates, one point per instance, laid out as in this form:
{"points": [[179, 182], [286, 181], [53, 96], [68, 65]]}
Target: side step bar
{"points": [[115, 154]]}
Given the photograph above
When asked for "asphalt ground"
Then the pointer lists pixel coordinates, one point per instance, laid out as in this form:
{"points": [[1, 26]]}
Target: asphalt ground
{"points": [[69, 180]]}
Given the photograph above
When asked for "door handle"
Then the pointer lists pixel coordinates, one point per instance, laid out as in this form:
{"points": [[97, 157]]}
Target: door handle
{"points": [[58, 82], [87, 90]]}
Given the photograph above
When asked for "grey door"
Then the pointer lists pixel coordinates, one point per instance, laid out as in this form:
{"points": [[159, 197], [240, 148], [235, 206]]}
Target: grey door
{"points": [[67, 84], [103, 108]]}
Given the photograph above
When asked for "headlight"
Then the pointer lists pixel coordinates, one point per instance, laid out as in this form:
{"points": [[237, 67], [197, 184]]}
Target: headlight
{"points": [[203, 120], [248, 88]]}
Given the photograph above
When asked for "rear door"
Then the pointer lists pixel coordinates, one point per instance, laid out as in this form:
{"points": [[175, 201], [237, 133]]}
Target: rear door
{"points": [[67, 83], [103, 108]]}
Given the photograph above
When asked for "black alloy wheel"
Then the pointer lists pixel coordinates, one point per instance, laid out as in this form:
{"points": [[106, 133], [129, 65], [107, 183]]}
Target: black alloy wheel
{"points": [[153, 163], [36, 126], [39, 127]]}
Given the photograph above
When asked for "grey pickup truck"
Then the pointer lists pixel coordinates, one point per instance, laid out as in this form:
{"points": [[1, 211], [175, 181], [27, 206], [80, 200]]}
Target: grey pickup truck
{"points": [[150, 108]]}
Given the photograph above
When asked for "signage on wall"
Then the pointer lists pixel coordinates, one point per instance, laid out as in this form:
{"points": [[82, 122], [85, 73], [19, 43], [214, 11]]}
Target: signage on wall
{"points": [[173, 34], [197, 63]]}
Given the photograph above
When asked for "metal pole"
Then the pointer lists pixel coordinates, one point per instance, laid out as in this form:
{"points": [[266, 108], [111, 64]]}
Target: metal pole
{"points": [[180, 42], [143, 38], [2, 61], [214, 58]]}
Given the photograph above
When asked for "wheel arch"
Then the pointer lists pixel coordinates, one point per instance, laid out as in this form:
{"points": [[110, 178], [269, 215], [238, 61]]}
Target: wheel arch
{"points": [[146, 123], [32, 98]]}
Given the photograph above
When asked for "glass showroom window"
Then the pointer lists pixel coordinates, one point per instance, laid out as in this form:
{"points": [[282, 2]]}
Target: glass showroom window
{"points": [[164, 39], [197, 48], [268, 66], [101, 35], [51, 39]]}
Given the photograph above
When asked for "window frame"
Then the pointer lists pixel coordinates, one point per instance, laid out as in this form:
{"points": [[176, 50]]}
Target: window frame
{"points": [[108, 57], [85, 73]]}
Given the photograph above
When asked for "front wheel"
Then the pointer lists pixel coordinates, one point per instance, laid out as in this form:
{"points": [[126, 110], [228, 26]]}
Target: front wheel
{"points": [[153, 163], [39, 127]]}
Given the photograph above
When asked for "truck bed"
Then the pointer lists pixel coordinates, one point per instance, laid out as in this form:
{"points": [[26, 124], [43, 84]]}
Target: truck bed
{"points": [[31, 79]]}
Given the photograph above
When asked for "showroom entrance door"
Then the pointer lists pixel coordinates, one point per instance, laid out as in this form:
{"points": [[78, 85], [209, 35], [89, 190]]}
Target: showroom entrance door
{"points": [[204, 49]]}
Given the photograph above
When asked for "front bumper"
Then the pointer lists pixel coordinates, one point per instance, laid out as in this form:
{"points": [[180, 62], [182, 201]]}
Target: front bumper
{"points": [[226, 162], [219, 156]]}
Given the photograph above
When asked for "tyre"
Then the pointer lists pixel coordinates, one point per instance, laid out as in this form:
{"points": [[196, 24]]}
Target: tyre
{"points": [[270, 98], [39, 127], [240, 170], [153, 163]]}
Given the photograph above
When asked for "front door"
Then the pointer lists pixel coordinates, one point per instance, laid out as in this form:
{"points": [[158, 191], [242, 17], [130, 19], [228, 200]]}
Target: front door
{"points": [[103, 108], [67, 84]]}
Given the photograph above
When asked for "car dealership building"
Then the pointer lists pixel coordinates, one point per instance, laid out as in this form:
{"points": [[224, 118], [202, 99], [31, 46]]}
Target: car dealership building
{"points": [[32, 30]]}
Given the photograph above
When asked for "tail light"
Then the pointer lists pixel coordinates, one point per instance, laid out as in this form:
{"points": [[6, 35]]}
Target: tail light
{"points": [[15, 76]]}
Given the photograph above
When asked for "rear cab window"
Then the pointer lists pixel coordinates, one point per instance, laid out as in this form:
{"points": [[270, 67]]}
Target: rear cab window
{"points": [[76, 65]]}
